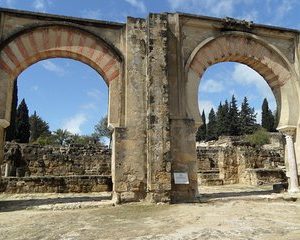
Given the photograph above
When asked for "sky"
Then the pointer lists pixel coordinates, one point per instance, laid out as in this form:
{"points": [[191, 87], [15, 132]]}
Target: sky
{"points": [[71, 95]]}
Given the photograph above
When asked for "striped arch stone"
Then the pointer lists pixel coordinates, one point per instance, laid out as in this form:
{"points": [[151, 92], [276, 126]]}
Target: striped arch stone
{"points": [[59, 41], [243, 50]]}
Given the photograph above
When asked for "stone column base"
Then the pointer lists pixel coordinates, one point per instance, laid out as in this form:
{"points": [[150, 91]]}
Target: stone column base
{"points": [[126, 197]]}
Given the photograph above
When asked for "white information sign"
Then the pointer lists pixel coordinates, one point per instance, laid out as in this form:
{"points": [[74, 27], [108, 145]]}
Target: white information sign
{"points": [[181, 178]]}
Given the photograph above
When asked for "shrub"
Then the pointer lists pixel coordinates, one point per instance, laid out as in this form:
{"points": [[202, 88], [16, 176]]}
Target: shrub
{"points": [[259, 137]]}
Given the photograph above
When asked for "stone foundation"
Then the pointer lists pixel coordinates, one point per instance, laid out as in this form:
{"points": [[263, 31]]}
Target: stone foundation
{"points": [[56, 184]]}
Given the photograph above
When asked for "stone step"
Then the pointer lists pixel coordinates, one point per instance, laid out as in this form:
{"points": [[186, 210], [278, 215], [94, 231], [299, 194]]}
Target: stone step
{"points": [[211, 182]]}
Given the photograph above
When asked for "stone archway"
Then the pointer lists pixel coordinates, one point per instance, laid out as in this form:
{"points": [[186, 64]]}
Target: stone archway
{"points": [[259, 55], [249, 50], [38, 43]]}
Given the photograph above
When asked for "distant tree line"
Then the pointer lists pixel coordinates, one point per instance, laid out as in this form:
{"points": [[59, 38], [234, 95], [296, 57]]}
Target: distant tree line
{"points": [[230, 121], [24, 128]]}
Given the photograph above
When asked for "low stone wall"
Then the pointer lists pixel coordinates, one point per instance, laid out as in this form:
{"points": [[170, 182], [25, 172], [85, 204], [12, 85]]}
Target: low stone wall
{"points": [[262, 176], [36, 160], [230, 161], [56, 184]]}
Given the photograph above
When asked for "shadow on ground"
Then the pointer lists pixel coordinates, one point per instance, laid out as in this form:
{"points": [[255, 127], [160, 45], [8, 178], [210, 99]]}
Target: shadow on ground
{"points": [[235, 194], [22, 204]]}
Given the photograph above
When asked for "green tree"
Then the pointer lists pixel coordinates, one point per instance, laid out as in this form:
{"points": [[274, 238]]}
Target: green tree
{"points": [[234, 120], [267, 118], [11, 130], [211, 133], [85, 139], [247, 118], [201, 133], [259, 137], [222, 119], [102, 130], [38, 127], [61, 136], [22, 123]]}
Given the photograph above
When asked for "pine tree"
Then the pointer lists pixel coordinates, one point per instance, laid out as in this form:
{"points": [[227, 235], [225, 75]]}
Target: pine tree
{"points": [[22, 123], [222, 119], [247, 118], [226, 119], [211, 133], [201, 133], [234, 121], [38, 127], [11, 130], [267, 118]]}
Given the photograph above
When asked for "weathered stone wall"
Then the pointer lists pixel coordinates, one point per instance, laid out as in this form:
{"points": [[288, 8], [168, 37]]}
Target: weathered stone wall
{"points": [[56, 184], [233, 163], [37, 160]]}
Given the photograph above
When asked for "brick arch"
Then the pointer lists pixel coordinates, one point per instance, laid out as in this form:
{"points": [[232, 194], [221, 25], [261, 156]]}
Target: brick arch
{"points": [[59, 41], [242, 48]]}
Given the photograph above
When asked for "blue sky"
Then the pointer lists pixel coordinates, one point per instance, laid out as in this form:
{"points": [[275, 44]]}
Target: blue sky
{"points": [[71, 95]]}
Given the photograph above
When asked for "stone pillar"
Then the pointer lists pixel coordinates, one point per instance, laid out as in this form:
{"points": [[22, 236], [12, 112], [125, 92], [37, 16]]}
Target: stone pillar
{"points": [[129, 155], [289, 133], [158, 115]]}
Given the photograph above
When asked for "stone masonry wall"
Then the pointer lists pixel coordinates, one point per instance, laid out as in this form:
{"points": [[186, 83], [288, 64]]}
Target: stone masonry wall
{"points": [[36, 160], [237, 162], [56, 184]]}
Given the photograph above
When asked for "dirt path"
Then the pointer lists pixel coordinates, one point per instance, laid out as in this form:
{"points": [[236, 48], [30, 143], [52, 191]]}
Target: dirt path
{"points": [[229, 220]]}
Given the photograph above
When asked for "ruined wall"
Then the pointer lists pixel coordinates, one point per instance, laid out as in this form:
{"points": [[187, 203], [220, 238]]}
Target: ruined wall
{"points": [[37, 160], [56, 184], [231, 163]]}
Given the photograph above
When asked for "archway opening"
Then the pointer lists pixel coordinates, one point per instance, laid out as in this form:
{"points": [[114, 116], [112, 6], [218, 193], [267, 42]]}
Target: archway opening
{"points": [[63, 136], [58, 41], [239, 151]]}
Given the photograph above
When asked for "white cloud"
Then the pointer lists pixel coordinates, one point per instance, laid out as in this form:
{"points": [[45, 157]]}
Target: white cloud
{"points": [[92, 14], [94, 93], [137, 4], [251, 15], [35, 88], [218, 8], [74, 123], [50, 66], [206, 105], [88, 106], [211, 86], [40, 5], [280, 9], [246, 76]]}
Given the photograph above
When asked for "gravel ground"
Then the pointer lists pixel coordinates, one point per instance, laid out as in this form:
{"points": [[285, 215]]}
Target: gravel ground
{"points": [[93, 216]]}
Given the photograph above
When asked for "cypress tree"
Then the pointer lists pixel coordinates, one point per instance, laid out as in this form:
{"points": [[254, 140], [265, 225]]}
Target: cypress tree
{"points": [[267, 118], [38, 127], [201, 133], [22, 123], [211, 133], [234, 121], [247, 118], [11, 130]]}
